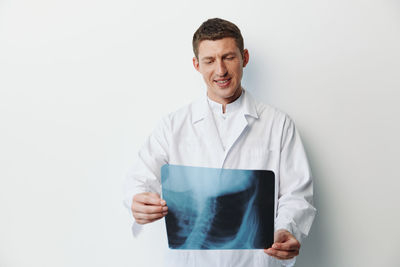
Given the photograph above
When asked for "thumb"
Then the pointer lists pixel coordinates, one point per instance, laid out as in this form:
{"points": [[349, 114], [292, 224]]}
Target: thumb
{"points": [[281, 236]]}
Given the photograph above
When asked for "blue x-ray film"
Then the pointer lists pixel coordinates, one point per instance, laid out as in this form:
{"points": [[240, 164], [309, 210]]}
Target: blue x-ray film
{"points": [[210, 208]]}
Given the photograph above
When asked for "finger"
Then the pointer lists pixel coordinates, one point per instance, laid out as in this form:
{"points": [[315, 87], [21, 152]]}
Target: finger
{"points": [[156, 199], [149, 199], [143, 221], [287, 254], [290, 244], [163, 202], [281, 254], [152, 194], [281, 236], [271, 252], [148, 217], [142, 208]]}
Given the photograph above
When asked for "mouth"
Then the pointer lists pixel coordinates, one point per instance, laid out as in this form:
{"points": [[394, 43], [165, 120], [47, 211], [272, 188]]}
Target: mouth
{"points": [[223, 82]]}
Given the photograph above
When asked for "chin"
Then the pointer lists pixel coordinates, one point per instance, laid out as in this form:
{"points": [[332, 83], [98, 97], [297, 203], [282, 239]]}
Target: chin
{"points": [[229, 92], [224, 93]]}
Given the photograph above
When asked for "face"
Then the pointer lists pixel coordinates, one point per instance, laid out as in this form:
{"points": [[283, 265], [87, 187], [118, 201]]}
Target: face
{"points": [[221, 65]]}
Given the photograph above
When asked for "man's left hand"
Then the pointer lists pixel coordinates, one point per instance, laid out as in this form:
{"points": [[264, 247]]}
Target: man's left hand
{"points": [[285, 246]]}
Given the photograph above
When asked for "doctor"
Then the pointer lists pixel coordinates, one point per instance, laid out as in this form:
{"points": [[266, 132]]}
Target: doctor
{"points": [[227, 128]]}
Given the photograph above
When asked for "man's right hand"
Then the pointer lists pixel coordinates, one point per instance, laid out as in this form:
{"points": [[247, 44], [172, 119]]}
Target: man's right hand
{"points": [[148, 207]]}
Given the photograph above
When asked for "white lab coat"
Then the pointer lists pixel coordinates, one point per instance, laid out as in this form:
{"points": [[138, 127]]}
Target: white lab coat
{"points": [[263, 138]]}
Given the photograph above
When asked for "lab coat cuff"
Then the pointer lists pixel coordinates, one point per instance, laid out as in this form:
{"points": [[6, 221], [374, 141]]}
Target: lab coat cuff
{"points": [[291, 228], [288, 263], [288, 227], [136, 229]]}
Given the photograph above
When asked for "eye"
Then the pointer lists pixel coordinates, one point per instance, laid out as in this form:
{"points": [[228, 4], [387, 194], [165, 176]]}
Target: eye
{"points": [[230, 58]]}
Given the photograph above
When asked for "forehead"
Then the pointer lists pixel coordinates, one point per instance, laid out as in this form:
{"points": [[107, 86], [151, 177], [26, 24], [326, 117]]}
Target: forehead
{"points": [[217, 47]]}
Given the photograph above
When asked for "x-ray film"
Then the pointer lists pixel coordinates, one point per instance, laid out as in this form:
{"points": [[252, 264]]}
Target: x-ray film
{"points": [[210, 208]]}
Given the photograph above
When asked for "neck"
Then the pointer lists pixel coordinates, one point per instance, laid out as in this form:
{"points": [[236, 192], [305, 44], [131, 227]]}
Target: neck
{"points": [[225, 101]]}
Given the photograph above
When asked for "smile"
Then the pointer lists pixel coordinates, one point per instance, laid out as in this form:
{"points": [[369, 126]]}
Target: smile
{"points": [[223, 83]]}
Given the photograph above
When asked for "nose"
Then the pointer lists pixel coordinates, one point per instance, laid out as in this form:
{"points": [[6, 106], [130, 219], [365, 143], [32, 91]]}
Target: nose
{"points": [[221, 69]]}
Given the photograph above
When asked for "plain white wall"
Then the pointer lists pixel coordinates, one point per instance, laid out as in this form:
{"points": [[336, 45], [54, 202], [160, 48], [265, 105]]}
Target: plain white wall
{"points": [[82, 83]]}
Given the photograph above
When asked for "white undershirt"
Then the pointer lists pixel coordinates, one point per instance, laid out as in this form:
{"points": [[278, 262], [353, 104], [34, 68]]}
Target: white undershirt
{"points": [[225, 122]]}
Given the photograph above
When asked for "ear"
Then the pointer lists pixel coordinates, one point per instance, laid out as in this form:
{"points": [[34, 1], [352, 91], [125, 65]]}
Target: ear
{"points": [[196, 63], [246, 57]]}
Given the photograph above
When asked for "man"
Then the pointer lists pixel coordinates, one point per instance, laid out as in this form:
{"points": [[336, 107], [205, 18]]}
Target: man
{"points": [[227, 129]]}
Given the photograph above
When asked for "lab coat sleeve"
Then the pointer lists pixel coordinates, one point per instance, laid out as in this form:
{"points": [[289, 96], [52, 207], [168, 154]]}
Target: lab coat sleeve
{"points": [[295, 211], [145, 175]]}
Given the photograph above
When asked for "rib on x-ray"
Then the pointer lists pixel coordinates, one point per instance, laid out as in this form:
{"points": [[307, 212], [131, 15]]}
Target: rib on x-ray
{"points": [[210, 208]]}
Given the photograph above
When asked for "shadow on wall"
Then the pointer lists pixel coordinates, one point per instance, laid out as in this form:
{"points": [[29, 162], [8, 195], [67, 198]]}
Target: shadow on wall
{"points": [[256, 79], [317, 250]]}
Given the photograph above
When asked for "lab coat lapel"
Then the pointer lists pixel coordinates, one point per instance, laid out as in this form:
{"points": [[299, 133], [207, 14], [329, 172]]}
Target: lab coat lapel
{"points": [[212, 139], [207, 131], [239, 127], [249, 112], [203, 120]]}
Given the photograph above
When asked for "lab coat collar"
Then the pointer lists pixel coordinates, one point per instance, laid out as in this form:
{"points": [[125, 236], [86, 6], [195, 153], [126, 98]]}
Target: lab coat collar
{"points": [[229, 108], [201, 108]]}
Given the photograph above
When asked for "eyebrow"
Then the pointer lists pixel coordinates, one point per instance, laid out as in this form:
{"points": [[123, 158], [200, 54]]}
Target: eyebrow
{"points": [[229, 54], [207, 58], [224, 55]]}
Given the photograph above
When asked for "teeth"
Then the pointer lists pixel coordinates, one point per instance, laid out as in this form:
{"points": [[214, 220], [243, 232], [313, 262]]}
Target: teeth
{"points": [[222, 81]]}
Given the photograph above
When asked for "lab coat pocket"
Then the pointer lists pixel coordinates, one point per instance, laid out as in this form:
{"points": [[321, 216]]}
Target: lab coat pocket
{"points": [[187, 152], [262, 158]]}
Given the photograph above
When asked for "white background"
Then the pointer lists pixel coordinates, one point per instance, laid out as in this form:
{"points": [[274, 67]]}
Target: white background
{"points": [[83, 82]]}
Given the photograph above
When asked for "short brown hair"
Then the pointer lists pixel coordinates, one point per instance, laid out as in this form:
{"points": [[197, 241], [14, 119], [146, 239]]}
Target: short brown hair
{"points": [[216, 29]]}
